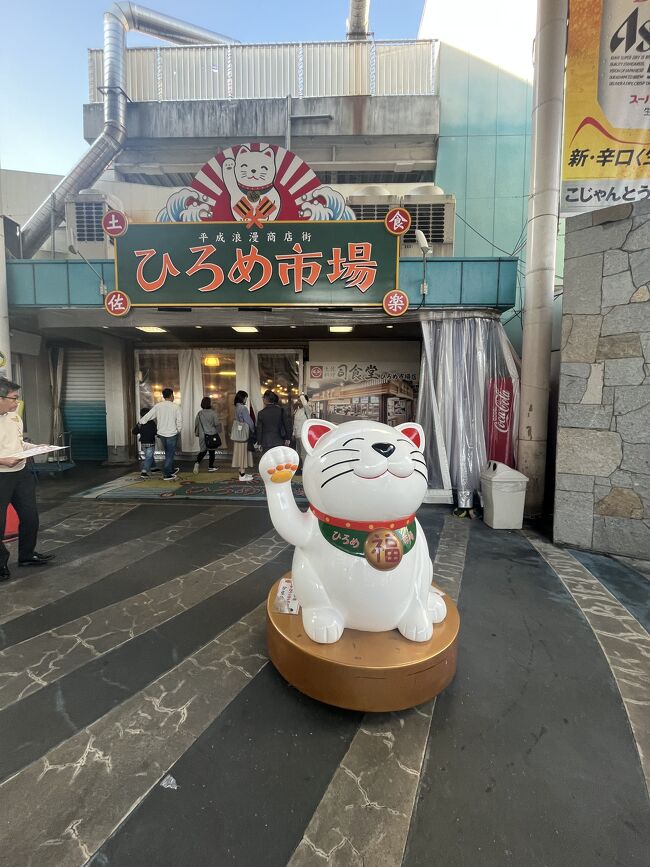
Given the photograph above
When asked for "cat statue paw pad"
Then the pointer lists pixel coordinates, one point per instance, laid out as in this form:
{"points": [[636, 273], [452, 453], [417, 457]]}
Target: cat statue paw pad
{"points": [[283, 472]]}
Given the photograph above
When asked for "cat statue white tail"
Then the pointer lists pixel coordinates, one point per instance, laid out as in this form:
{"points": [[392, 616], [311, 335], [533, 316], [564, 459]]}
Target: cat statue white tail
{"points": [[361, 558]]}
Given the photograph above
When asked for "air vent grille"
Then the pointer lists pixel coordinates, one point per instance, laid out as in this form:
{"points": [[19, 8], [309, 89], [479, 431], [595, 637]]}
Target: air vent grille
{"points": [[430, 219], [88, 221]]}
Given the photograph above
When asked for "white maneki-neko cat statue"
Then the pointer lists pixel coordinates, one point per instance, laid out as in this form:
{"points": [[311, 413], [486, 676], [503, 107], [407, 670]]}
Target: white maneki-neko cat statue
{"points": [[361, 559]]}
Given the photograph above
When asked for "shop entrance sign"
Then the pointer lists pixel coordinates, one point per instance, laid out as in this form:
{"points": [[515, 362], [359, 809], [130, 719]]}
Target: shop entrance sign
{"points": [[350, 263]]}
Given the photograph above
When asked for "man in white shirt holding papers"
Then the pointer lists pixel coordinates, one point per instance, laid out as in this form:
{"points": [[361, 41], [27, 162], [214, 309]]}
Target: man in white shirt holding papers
{"points": [[17, 485], [169, 423]]}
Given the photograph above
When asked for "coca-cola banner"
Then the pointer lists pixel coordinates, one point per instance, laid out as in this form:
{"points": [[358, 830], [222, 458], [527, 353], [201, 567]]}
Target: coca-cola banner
{"points": [[499, 427], [606, 157]]}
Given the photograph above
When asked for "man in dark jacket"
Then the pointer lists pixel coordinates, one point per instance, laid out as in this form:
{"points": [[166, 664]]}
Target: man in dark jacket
{"points": [[271, 424], [147, 432]]}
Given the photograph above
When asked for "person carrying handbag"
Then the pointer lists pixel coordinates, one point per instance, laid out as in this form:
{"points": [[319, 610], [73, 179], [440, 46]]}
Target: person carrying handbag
{"points": [[242, 427], [206, 429]]}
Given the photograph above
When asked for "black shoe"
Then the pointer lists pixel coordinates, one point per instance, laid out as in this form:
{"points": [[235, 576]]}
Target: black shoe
{"points": [[5, 574], [36, 559]]}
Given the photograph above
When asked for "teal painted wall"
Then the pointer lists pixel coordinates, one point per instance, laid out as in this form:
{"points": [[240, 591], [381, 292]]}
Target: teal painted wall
{"points": [[86, 422], [484, 151]]}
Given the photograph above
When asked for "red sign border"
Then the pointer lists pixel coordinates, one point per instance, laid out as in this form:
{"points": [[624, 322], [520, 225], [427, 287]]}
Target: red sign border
{"points": [[117, 292], [117, 234], [405, 310], [404, 231]]}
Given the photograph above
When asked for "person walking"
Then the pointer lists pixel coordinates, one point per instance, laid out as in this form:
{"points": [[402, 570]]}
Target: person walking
{"points": [[147, 434], [169, 423], [271, 424], [206, 426], [242, 459], [17, 484], [302, 413]]}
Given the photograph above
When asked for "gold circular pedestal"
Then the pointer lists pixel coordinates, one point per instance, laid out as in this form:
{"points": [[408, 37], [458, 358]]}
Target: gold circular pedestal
{"points": [[368, 671]]}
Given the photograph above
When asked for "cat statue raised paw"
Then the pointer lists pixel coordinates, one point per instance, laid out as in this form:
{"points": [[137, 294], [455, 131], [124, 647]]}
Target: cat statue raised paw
{"points": [[361, 558]]}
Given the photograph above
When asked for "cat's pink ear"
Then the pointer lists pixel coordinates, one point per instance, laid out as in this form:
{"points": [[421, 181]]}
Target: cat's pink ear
{"points": [[243, 149], [268, 153], [414, 432], [313, 430]]}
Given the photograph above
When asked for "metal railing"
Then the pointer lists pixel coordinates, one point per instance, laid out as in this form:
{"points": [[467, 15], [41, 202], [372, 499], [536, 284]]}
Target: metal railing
{"points": [[267, 71]]}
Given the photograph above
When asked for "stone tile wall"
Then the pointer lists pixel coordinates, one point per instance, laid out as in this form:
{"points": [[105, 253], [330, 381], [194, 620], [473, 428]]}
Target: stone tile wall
{"points": [[602, 499]]}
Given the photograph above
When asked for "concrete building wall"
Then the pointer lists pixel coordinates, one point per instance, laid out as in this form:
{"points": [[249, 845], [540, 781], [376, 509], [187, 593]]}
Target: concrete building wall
{"points": [[602, 501]]}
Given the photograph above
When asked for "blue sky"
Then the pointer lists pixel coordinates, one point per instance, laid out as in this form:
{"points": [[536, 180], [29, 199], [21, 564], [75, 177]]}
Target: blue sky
{"points": [[44, 68]]}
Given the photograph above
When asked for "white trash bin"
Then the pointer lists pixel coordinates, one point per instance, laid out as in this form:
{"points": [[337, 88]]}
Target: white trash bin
{"points": [[504, 492]]}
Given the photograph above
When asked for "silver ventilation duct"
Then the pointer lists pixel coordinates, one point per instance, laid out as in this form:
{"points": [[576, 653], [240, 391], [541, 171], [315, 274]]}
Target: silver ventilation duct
{"points": [[357, 23], [136, 17], [123, 17]]}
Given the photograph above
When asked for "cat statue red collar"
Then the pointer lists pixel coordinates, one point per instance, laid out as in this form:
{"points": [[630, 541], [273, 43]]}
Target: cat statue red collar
{"points": [[361, 560]]}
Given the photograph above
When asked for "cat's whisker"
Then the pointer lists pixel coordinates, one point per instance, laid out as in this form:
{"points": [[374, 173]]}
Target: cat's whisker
{"points": [[338, 450], [339, 463], [421, 474], [338, 476]]}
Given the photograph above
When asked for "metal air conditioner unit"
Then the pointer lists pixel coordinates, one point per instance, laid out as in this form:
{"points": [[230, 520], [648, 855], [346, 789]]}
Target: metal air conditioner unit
{"points": [[434, 213], [372, 202], [83, 218]]}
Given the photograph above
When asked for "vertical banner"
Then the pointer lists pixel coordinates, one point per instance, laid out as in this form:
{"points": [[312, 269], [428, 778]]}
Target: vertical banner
{"points": [[498, 427], [606, 157]]}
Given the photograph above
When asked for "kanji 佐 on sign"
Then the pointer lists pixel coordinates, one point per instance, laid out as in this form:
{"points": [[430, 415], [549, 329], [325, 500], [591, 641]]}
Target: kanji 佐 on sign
{"points": [[117, 303], [114, 223], [396, 302]]}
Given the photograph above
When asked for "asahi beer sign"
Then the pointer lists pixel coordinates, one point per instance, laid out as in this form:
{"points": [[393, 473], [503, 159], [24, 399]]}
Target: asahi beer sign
{"points": [[606, 158]]}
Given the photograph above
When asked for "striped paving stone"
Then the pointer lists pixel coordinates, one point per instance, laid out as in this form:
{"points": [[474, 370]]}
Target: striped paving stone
{"points": [[624, 641], [365, 814], [87, 786], [18, 598], [33, 664]]}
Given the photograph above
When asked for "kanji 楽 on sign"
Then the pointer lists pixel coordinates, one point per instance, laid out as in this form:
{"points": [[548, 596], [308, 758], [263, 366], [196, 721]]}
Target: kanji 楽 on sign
{"points": [[114, 223], [396, 302], [117, 303], [398, 221]]}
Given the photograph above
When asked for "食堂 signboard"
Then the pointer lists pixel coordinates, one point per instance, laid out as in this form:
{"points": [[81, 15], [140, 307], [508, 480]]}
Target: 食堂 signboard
{"points": [[352, 263]]}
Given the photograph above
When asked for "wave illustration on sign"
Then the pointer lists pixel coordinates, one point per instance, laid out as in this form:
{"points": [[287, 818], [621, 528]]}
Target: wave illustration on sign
{"points": [[255, 183]]}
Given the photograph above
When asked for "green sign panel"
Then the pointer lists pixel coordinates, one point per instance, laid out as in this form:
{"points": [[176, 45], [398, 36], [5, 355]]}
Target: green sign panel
{"points": [[277, 264]]}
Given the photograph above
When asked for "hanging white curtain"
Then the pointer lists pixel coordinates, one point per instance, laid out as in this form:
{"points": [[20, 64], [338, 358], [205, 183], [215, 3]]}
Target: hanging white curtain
{"points": [[477, 386], [189, 365], [248, 376], [56, 358], [428, 415]]}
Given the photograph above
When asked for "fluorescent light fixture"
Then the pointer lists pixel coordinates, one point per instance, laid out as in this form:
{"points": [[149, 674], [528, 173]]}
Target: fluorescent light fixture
{"points": [[341, 329], [226, 373], [198, 326], [293, 326], [151, 329], [245, 329], [211, 361], [389, 326]]}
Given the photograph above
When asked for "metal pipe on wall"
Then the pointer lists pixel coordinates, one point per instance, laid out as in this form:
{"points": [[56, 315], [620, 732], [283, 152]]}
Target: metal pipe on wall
{"points": [[123, 17], [543, 211], [357, 23]]}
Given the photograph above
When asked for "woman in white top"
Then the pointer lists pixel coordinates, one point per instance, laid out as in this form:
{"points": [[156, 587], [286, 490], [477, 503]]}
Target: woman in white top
{"points": [[241, 457]]}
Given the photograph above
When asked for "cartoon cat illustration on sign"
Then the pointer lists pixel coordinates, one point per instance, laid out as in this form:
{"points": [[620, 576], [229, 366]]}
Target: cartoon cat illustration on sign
{"points": [[361, 560], [250, 179]]}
